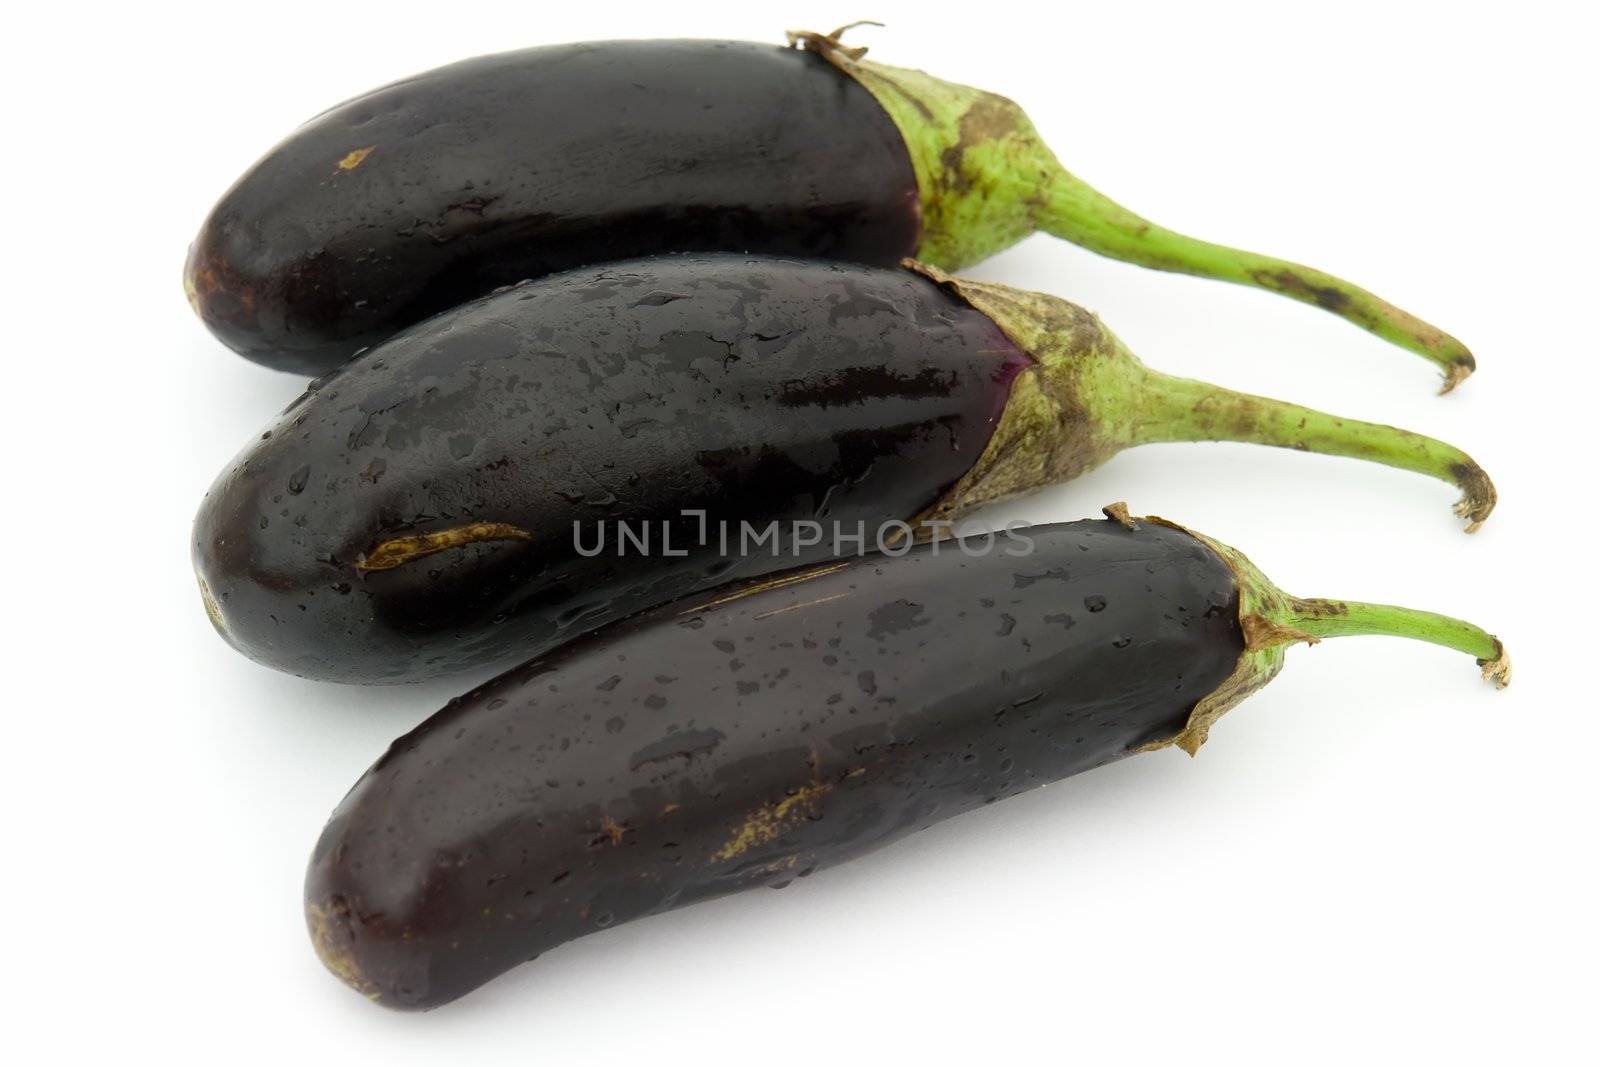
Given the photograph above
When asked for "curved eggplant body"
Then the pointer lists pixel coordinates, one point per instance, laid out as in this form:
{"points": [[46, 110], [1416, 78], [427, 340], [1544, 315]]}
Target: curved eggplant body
{"points": [[434, 190], [423, 510], [755, 735]]}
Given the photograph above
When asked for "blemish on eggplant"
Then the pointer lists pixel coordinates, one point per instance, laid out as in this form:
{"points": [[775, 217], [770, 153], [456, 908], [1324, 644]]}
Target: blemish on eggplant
{"points": [[355, 157], [213, 612], [395, 552], [771, 821]]}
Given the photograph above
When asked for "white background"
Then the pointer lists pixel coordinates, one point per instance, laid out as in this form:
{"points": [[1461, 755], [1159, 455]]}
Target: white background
{"points": [[1379, 859]]}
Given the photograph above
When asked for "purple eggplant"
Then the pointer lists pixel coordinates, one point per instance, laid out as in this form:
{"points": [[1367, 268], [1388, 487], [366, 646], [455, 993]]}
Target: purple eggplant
{"points": [[410, 199], [767, 730], [461, 494]]}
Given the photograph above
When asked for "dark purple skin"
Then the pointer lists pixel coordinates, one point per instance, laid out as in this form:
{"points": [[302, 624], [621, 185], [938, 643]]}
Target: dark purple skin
{"points": [[726, 742], [752, 390], [513, 166]]}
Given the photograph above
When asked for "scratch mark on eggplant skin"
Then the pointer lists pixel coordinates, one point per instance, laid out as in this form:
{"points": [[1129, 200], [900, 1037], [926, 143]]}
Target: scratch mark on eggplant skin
{"points": [[796, 607], [762, 586], [356, 157], [390, 554]]}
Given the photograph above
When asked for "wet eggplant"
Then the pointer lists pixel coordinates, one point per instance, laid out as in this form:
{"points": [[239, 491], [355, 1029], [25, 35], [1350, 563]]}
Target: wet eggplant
{"points": [[762, 732], [412, 198], [435, 505]]}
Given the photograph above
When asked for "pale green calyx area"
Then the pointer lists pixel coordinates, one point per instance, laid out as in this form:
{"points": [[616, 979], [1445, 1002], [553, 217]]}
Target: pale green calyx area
{"points": [[1087, 397], [1272, 620], [986, 180]]}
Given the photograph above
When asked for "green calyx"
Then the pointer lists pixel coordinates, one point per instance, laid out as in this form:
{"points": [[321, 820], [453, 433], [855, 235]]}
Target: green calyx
{"points": [[987, 179], [1272, 620], [1088, 397], [983, 173]]}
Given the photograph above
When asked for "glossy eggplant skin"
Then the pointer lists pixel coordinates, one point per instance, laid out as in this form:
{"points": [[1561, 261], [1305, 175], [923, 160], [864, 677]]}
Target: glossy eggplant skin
{"points": [[411, 199], [749, 390], [756, 735]]}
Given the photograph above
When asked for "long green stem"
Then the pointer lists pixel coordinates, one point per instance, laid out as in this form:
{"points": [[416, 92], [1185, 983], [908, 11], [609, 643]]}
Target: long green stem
{"points": [[986, 179], [1164, 408], [1352, 618], [1076, 212], [1091, 397]]}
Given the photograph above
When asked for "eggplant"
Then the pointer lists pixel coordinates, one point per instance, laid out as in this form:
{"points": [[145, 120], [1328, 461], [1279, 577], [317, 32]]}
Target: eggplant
{"points": [[410, 199], [467, 491], [762, 732]]}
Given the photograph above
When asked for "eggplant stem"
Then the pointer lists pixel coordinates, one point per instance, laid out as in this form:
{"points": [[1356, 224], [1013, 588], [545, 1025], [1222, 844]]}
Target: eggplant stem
{"points": [[1075, 212], [1164, 408], [1351, 618], [1271, 620]]}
